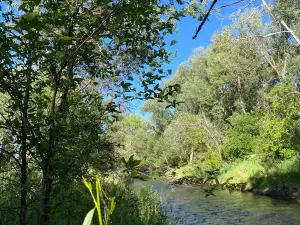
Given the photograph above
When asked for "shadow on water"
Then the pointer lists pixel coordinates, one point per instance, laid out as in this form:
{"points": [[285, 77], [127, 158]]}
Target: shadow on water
{"points": [[189, 206]]}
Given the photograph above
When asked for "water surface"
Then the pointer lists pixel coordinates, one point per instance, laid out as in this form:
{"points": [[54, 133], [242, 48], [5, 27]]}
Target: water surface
{"points": [[189, 206]]}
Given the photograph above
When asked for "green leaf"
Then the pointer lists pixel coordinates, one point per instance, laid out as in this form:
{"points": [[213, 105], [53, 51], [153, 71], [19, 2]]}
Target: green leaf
{"points": [[173, 42], [130, 159], [177, 87], [125, 163], [134, 174], [122, 40], [89, 217], [37, 2], [27, 6], [64, 38], [126, 85], [117, 41], [228, 179], [29, 17], [87, 184], [112, 205], [135, 163]]}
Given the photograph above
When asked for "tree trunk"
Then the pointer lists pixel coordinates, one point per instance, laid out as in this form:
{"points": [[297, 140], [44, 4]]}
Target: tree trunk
{"points": [[23, 167], [46, 189], [23, 206], [191, 157], [57, 117], [242, 103], [47, 181], [24, 130]]}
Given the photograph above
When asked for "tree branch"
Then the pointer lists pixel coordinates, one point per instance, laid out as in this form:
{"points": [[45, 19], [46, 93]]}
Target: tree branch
{"points": [[11, 155], [204, 19], [283, 23], [230, 4], [261, 36]]}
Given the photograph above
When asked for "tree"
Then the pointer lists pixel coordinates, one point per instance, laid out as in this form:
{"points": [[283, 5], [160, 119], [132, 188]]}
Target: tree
{"points": [[132, 135], [241, 136], [160, 115], [190, 136], [279, 133], [51, 49]]}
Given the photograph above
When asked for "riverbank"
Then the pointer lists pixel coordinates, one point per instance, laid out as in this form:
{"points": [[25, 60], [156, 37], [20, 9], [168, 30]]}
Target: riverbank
{"points": [[277, 192], [280, 181]]}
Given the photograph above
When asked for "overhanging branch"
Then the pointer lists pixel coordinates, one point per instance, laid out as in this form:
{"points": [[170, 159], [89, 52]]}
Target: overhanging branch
{"points": [[204, 19]]}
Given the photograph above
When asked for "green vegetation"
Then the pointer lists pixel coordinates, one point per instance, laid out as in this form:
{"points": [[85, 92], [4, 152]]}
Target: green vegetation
{"points": [[97, 202], [140, 207], [68, 71], [239, 111], [121, 205]]}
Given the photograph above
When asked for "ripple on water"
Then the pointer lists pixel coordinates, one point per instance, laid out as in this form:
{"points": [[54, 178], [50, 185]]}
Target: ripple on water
{"points": [[189, 206]]}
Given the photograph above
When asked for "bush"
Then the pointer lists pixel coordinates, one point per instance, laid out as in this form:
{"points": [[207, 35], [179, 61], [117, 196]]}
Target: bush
{"points": [[212, 161], [241, 136]]}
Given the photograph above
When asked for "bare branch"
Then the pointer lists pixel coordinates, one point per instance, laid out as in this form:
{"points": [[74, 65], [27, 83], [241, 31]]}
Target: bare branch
{"points": [[291, 32], [230, 4], [283, 23], [204, 19], [261, 36]]}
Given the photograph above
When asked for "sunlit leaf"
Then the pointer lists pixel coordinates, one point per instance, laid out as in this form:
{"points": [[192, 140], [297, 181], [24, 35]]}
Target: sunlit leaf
{"points": [[89, 217]]}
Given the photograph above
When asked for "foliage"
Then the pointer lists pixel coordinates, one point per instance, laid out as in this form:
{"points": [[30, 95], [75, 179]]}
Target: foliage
{"points": [[241, 136], [213, 184], [279, 135], [185, 171], [67, 69], [160, 115], [131, 168], [242, 170], [211, 161], [102, 218], [139, 207], [283, 173], [240, 103]]}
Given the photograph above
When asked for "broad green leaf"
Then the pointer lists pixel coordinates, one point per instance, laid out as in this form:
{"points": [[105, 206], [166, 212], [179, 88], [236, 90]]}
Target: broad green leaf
{"points": [[130, 159], [135, 163], [29, 17], [89, 217]]}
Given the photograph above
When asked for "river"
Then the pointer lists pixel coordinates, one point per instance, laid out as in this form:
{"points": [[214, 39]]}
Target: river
{"points": [[189, 206]]}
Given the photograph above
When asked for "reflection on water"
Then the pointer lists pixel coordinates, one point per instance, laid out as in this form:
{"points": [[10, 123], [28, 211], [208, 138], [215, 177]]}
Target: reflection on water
{"points": [[189, 206]]}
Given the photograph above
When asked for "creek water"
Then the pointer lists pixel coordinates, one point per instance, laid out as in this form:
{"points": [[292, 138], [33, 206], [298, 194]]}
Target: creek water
{"points": [[189, 206]]}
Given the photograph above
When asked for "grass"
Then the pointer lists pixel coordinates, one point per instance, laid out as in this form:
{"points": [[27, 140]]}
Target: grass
{"points": [[139, 207], [251, 171], [142, 206], [241, 171], [284, 173]]}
